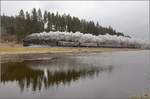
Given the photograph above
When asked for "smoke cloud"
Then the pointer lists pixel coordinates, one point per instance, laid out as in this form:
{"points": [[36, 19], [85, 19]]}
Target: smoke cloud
{"points": [[85, 40]]}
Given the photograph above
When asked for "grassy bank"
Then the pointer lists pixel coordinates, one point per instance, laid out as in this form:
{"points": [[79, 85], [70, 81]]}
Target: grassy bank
{"points": [[145, 96], [29, 50], [15, 48]]}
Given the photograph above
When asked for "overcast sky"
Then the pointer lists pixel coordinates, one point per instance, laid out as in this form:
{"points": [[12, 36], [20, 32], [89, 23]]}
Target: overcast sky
{"points": [[129, 17]]}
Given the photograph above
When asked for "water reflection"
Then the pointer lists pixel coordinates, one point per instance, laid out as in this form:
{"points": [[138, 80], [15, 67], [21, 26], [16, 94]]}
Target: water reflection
{"points": [[38, 74]]}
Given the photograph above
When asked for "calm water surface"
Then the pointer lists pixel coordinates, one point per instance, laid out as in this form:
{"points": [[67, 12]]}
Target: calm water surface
{"points": [[116, 75]]}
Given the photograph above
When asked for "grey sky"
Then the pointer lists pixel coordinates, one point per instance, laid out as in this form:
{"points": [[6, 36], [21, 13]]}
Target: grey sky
{"points": [[130, 17]]}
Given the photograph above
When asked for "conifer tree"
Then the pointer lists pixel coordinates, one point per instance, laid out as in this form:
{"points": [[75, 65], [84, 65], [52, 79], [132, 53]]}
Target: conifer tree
{"points": [[20, 25], [34, 19]]}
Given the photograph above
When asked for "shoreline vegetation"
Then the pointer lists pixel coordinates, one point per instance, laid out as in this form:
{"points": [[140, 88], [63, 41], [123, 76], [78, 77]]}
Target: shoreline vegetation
{"points": [[14, 48], [145, 96]]}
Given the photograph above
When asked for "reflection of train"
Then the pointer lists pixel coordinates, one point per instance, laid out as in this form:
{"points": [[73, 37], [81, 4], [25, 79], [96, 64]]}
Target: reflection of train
{"points": [[78, 39]]}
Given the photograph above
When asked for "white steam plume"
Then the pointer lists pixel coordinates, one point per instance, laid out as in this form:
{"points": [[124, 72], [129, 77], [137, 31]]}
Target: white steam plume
{"points": [[88, 39]]}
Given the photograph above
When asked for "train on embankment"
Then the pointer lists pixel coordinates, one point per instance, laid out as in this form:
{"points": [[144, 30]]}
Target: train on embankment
{"points": [[67, 39]]}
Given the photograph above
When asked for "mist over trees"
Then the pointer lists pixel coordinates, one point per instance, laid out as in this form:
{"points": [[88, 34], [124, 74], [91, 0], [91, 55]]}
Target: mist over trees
{"points": [[35, 21]]}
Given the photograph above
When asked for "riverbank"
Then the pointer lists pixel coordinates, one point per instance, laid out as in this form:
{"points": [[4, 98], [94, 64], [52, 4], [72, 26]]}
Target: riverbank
{"points": [[145, 96], [34, 50], [7, 48]]}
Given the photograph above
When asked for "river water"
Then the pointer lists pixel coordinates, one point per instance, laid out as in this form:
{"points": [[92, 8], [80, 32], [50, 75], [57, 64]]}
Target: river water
{"points": [[109, 75]]}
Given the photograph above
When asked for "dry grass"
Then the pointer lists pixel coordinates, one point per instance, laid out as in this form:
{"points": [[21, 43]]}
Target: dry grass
{"points": [[29, 50], [14, 48], [145, 96]]}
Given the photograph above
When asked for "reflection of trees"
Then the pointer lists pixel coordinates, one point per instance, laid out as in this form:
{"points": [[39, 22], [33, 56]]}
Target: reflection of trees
{"points": [[27, 76]]}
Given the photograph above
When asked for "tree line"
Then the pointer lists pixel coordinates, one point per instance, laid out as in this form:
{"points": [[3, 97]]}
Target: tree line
{"points": [[26, 23]]}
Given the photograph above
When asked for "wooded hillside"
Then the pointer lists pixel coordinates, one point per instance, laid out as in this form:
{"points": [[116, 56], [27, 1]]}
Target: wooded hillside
{"points": [[25, 23]]}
